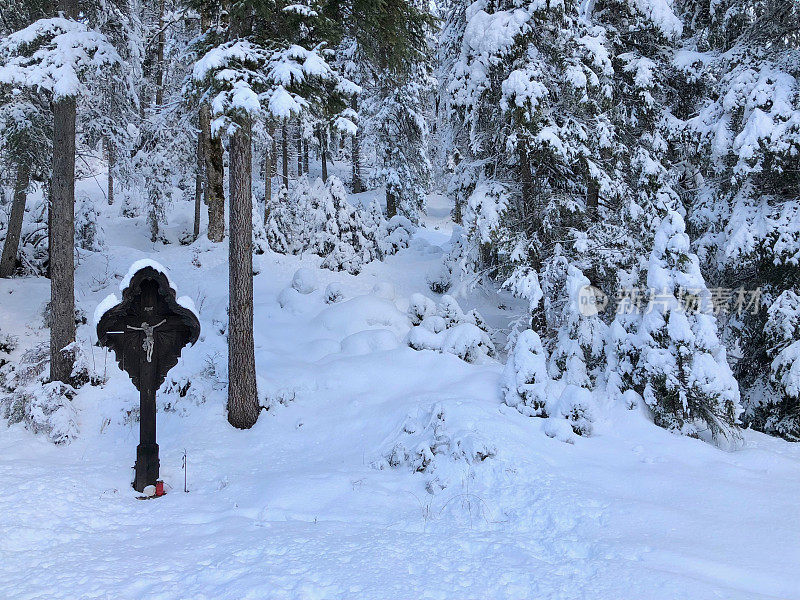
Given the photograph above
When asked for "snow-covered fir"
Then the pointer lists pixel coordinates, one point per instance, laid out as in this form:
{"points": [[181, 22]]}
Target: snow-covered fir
{"points": [[497, 298]]}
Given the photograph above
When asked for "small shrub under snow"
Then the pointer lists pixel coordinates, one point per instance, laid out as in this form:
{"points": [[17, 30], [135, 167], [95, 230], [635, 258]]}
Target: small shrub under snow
{"points": [[334, 293], [428, 443], [419, 307], [450, 330], [439, 279], [568, 409], [44, 408]]}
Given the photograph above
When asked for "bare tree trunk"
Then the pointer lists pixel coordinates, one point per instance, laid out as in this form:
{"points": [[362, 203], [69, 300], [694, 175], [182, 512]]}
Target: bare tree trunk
{"points": [[323, 152], [269, 159], [243, 407], [160, 56], [356, 158], [215, 186], [592, 199], [11, 246], [198, 183], [527, 182], [391, 204], [305, 156], [62, 230], [285, 154], [299, 150], [273, 135], [111, 154]]}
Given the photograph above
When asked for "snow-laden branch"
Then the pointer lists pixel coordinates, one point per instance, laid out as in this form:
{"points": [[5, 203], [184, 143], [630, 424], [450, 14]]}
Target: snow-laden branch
{"points": [[242, 78], [55, 55]]}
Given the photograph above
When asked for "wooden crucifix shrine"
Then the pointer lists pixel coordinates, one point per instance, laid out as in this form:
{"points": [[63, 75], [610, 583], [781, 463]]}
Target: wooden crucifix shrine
{"points": [[147, 332]]}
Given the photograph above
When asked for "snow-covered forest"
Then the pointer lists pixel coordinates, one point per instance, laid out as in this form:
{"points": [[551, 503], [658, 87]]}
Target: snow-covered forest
{"points": [[496, 298]]}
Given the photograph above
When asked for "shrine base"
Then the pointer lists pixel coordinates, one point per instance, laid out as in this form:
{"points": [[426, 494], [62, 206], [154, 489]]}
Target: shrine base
{"points": [[146, 466]]}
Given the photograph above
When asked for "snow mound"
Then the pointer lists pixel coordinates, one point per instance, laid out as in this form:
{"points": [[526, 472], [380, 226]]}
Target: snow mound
{"points": [[304, 280], [384, 289], [362, 313], [367, 342], [296, 302]]}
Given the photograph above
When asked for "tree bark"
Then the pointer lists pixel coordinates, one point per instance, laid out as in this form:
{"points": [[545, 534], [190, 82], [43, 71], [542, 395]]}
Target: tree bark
{"points": [[160, 56], [305, 156], [111, 154], [198, 183], [62, 236], [323, 152], [391, 204], [11, 246], [285, 154], [592, 199], [273, 135], [243, 407], [527, 182], [356, 158], [215, 186], [299, 150], [269, 158]]}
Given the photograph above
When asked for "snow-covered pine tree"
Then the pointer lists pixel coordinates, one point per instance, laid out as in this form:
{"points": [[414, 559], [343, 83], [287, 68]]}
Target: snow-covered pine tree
{"points": [[578, 338], [386, 50], [56, 56], [683, 373], [525, 379], [743, 148], [780, 399], [25, 139]]}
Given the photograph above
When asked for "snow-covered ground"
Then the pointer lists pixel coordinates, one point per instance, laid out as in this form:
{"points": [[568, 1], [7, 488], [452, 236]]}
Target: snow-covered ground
{"points": [[308, 503]]}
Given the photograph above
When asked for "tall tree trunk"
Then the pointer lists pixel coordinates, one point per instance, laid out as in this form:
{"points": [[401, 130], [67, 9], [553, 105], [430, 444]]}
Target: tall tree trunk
{"points": [[273, 135], [243, 407], [285, 154], [269, 159], [62, 230], [323, 153], [111, 155], [200, 168], [160, 56], [527, 182], [391, 204], [154, 199], [299, 150], [592, 199], [215, 186], [305, 156], [11, 246], [356, 174], [356, 158]]}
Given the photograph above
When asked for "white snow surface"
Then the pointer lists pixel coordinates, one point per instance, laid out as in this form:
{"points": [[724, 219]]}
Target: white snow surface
{"points": [[491, 503], [105, 305]]}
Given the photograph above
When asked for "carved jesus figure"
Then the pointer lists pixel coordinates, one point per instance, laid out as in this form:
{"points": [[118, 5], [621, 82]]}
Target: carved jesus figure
{"points": [[149, 339]]}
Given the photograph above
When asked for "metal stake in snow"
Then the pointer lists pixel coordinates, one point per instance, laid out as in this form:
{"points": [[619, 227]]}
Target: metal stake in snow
{"points": [[147, 332]]}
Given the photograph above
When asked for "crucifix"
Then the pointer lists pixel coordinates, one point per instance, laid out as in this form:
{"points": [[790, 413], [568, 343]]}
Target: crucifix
{"points": [[147, 332]]}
